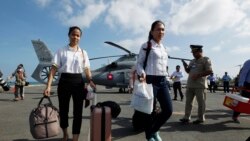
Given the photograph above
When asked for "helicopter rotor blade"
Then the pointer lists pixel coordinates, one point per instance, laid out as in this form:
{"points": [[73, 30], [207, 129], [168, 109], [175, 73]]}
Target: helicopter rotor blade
{"points": [[105, 57], [118, 46]]}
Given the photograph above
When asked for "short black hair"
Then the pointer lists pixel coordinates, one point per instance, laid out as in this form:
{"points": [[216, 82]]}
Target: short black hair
{"points": [[72, 28]]}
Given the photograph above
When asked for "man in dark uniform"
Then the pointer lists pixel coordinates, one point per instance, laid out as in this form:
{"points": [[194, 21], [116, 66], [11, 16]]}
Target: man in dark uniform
{"points": [[198, 69], [226, 79], [212, 83]]}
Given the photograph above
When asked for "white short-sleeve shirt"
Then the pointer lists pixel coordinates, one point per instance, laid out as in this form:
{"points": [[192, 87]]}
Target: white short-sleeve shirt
{"points": [[177, 75], [68, 60], [157, 60]]}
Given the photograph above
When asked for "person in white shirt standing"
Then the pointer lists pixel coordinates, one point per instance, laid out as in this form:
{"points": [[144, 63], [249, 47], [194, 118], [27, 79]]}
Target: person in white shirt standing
{"points": [[153, 71], [176, 77], [71, 62]]}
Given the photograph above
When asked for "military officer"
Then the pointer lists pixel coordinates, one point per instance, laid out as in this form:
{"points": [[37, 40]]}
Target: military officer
{"points": [[198, 69]]}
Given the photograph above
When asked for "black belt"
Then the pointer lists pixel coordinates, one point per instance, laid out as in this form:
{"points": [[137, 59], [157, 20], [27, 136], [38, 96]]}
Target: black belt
{"points": [[155, 78], [71, 78]]}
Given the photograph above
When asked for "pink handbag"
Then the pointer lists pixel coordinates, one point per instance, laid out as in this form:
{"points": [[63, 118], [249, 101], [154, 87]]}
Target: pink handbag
{"points": [[44, 120]]}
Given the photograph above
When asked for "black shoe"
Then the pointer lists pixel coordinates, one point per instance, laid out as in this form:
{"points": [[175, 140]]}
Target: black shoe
{"points": [[236, 120], [184, 120], [175, 99], [198, 121], [248, 139]]}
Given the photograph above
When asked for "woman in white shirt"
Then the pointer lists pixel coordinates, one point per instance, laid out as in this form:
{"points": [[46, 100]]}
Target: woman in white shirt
{"points": [[70, 61], [155, 72]]}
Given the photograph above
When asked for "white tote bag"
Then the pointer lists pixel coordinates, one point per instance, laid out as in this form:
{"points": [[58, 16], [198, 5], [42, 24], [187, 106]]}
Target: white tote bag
{"points": [[143, 97]]}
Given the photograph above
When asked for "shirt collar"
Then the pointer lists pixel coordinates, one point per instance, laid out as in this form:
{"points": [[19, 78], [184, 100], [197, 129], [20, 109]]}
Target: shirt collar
{"points": [[71, 49], [155, 44]]}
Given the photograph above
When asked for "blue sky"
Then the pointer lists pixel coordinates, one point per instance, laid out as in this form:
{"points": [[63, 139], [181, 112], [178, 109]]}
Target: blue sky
{"points": [[221, 26]]}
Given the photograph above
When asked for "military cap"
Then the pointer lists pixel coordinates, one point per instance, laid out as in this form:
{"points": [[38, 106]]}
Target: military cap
{"points": [[196, 47]]}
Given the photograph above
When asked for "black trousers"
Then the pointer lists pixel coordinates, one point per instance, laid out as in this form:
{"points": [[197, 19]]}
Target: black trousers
{"points": [[226, 86], [71, 85], [177, 86], [212, 86]]}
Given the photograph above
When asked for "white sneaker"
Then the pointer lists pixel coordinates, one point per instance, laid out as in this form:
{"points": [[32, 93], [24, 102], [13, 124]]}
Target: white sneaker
{"points": [[157, 137], [16, 99], [151, 139]]}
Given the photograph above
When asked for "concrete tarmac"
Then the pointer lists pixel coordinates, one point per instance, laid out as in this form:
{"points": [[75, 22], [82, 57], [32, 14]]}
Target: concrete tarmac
{"points": [[219, 126]]}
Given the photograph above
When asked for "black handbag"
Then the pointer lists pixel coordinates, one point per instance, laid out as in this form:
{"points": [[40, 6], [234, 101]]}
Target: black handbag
{"points": [[115, 108], [27, 83]]}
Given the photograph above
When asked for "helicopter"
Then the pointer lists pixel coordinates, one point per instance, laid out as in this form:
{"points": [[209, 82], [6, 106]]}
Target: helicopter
{"points": [[115, 74]]}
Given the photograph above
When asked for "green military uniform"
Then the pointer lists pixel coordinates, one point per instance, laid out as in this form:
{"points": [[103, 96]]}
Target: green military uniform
{"points": [[197, 87]]}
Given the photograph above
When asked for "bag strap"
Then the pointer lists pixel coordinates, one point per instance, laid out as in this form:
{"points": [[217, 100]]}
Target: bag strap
{"points": [[47, 97], [103, 124], [149, 46], [147, 53], [46, 121], [82, 55]]}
